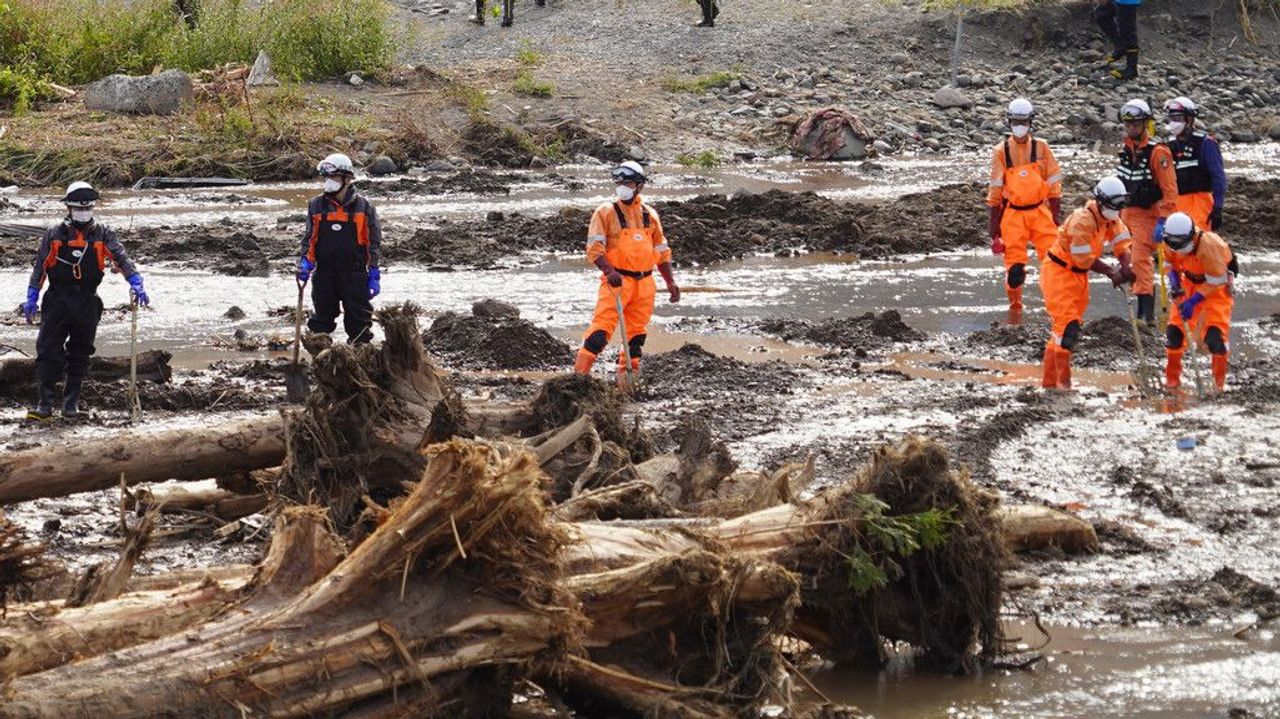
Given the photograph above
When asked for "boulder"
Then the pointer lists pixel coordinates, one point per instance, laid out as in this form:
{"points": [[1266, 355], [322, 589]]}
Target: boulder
{"points": [[261, 74], [495, 309], [948, 97], [383, 165], [832, 134], [162, 94]]}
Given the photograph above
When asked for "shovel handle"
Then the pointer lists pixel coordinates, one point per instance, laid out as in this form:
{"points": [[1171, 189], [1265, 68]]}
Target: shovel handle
{"points": [[297, 323]]}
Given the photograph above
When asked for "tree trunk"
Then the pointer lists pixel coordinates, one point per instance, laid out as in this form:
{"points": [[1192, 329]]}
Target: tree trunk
{"points": [[56, 470], [18, 375], [205, 497]]}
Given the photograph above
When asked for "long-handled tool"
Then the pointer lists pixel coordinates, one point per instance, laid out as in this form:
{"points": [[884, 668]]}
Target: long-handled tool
{"points": [[1146, 386], [1198, 350], [626, 347], [135, 404], [296, 384]]}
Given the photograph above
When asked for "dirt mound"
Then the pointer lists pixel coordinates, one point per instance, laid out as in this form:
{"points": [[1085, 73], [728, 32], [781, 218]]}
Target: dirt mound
{"points": [[564, 398], [493, 144], [865, 332], [482, 245], [1224, 594], [693, 372], [478, 341], [1250, 216], [1105, 342], [221, 249]]}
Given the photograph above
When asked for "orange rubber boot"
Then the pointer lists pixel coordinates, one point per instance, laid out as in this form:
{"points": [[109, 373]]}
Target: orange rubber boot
{"points": [[624, 383], [586, 358], [1015, 304], [1064, 370], [1050, 363], [1220, 371], [1173, 369]]}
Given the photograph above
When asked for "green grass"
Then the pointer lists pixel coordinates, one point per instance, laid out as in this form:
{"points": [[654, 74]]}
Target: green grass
{"points": [[701, 83], [73, 42], [705, 159], [525, 84], [527, 56]]}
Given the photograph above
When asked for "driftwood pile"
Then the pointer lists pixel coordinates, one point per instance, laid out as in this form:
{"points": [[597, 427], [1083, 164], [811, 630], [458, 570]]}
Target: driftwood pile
{"points": [[430, 558]]}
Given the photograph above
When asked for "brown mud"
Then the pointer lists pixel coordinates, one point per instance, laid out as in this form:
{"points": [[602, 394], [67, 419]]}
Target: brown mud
{"points": [[494, 339], [1105, 342], [866, 332]]}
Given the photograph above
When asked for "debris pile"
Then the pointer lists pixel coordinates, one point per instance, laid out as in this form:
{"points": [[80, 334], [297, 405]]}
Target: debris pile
{"points": [[489, 339]]}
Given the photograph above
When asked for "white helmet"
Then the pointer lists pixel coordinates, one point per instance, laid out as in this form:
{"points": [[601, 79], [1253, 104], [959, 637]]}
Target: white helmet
{"points": [[336, 164], [1178, 230], [1020, 109], [1135, 109], [1180, 106], [1111, 193], [629, 171], [80, 194]]}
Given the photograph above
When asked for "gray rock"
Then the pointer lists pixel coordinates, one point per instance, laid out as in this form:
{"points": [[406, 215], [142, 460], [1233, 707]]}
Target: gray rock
{"points": [[742, 110], [261, 74], [494, 216], [1274, 132], [355, 80], [1245, 136], [781, 111], [949, 97], [806, 82], [637, 153], [439, 166], [885, 148], [383, 165], [495, 309], [234, 313], [162, 94], [933, 143]]}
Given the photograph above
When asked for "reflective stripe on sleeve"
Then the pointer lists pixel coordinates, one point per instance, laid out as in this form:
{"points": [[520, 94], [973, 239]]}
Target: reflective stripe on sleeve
{"points": [[1054, 179], [1081, 249], [595, 239], [662, 247], [1125, 235], [1216, 279]]}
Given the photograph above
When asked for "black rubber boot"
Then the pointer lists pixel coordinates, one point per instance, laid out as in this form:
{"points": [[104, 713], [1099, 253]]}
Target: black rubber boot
{"points": [[1147, 309], [71, 398], [709, 12], [1130, 71], [43, 411]]}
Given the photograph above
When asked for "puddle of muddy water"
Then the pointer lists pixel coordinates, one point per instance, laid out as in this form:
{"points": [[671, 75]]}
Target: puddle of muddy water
{"points": [[1131, 673]]}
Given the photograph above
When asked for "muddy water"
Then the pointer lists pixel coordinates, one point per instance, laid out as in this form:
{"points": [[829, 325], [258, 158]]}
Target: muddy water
{"points": [[1132, 673]]}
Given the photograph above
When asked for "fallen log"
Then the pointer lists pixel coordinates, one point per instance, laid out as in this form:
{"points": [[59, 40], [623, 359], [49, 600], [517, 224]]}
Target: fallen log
{"points": [[18, 375], [1029, 526], [204, 497], [63, 468]]}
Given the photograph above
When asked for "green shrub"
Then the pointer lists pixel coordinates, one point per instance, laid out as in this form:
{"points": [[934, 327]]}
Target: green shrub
{"points": [[527, 56], [701, 83], [526, 85], [704, 159], [78, 41], [20, 89]]}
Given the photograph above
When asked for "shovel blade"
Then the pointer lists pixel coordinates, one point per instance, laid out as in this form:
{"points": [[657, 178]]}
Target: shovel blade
{"points": [[296, 384]]}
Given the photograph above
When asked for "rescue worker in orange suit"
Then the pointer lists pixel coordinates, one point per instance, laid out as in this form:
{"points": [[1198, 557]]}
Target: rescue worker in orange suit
{"points": [[1024, 198], [340, 253], [74, 257], [1197, 161], [625, 241], [1064, 276], [1200, 281], [1146, 167]]}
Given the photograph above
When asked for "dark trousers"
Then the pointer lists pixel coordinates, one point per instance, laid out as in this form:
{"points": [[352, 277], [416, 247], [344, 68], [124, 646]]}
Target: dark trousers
{"points": [[68, 326], [344, 292], [1120, 24], [508, 10], [709, 10]]}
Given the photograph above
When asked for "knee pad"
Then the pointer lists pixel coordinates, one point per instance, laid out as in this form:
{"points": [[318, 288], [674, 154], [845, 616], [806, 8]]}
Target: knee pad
{"points": [[636, 345], [1215, 341], [596, 342], [1173, 337], [1070, 336], [1017, 275]]}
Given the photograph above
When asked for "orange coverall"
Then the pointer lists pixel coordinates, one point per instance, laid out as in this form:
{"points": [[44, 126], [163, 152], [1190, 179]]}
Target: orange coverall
{"points": [[1025, 176], [1205, 271], [1064, 279], [630, 237], [1157, 173]]}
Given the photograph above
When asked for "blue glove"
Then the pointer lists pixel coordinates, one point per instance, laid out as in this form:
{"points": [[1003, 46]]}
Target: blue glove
{"points": [[139, 294], [1188, 306], [1175, 285], [1158, 235], [305, 268], [375, 282], [31, 306]]}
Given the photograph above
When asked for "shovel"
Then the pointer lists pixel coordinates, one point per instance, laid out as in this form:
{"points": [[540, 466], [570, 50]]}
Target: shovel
{"points": [[626, 348], [1145, 373], [296, 384], [135, 404]]}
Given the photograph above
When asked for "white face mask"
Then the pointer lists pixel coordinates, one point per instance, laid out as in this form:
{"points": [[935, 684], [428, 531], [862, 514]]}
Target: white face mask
{"points": [[1020, 131], [1109, 214], [81, 215], [624, 193], [1175, 128], [1185, 250], [331, 185]]}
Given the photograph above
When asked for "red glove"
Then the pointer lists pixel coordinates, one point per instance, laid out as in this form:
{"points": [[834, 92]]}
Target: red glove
{"points": [[1055, 208], [997, 246], [993, 221], [1126, 269], [673, 290], [610, 274]]}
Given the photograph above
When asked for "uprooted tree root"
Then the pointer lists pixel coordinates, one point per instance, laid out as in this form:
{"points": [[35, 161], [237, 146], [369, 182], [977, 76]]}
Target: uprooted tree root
{"points": [[22, 564]]}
